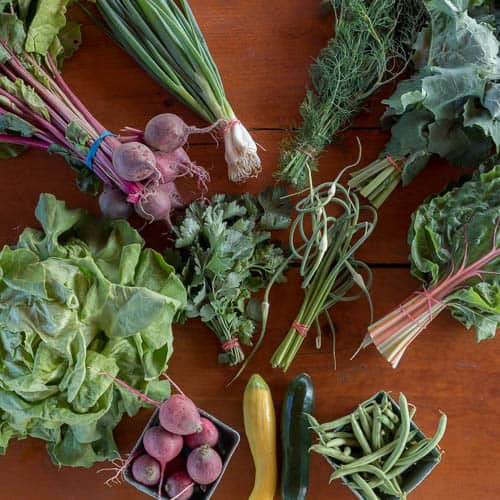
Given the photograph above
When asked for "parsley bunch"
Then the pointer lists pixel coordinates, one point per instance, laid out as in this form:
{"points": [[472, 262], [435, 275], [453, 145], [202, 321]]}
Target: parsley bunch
{"points": [[224, 255]]}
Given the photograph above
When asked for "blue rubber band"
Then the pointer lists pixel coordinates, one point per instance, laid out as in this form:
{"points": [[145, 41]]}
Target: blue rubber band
{"points": [[89, 160]]}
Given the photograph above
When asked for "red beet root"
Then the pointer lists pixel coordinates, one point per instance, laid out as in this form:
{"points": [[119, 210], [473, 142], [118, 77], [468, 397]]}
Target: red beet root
{"points": [[208, 435], [204, 465], [146, 470], [179, 415], [179, 482]]}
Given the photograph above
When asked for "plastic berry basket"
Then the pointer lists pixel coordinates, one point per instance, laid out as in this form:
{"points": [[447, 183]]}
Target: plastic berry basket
{"points": [[229, 440], [413, 476]]}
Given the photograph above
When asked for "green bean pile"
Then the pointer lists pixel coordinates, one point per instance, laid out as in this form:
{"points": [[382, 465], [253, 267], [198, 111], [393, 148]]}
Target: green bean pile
{"points": [[373, 447]]}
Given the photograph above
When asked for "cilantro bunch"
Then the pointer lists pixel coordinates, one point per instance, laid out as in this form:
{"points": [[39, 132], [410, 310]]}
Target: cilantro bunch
{"points": [[449, 107], [224, 256]]}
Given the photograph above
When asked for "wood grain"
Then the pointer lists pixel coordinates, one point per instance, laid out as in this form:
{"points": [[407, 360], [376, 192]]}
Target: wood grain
{"points": [[263, 50]]}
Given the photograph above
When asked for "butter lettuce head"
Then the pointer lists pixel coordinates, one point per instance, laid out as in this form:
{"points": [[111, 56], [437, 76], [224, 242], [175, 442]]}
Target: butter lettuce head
{"points": [[80, 297]]}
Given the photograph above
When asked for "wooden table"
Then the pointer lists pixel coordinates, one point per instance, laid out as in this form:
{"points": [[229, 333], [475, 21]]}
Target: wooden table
{"points": [[263, 50]]}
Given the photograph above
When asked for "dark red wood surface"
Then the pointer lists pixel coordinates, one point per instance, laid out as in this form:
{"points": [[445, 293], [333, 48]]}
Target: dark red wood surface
{"points": [[263, 50]]}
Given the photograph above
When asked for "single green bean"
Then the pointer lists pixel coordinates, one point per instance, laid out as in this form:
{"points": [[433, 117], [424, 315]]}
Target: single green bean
{"points": [[363, 420], [369, 469], [403, 437], [412, 411], [337, 442], [425, 450], [376, 429], [391, 415], [339, 422], [414, 448], [340, 434], [332, 453], [368, 493], [358, 433], [387, 422], [347, 451]]}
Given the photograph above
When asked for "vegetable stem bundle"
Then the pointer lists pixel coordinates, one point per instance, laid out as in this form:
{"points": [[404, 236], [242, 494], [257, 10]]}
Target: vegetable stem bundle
{"points": [[38, 109], [328, 264], [370, 49], [456, 253], [165, 39]]}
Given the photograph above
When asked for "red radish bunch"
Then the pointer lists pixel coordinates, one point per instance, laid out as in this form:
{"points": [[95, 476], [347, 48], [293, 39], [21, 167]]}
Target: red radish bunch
{"points": [[182, 432]]}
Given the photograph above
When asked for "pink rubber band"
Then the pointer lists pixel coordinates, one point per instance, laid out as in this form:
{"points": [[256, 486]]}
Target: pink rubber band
{"points": [[230, 124], [231, 344], [303, 330], [394, 163], [309, 153]]}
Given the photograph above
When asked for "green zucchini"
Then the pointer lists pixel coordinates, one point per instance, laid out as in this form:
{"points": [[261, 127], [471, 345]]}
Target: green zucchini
{"points": [[296, 438]]}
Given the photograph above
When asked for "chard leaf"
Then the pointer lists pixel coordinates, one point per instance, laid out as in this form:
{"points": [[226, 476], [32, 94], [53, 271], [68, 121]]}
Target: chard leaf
{"points": [[78, 137], [454, 234], [12, 124], [12, 32], [49, 19], [26, 94]]}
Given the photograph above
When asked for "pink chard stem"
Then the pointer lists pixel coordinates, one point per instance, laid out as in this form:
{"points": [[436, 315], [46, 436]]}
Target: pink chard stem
{"points": [[393, 334]]}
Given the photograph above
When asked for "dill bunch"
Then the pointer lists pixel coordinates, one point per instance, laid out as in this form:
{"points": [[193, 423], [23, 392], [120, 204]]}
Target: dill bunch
{"points": [[371, 47]]}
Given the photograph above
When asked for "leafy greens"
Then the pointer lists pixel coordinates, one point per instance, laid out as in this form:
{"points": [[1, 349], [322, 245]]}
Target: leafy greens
{"points": [[80, 297], [449, 107], [224, 256], [455, 252]]}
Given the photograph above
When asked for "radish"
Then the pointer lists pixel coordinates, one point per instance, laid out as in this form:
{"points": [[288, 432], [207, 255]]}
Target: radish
{"points": [[163, 446], [134, 161], [178, 414], [146, 470], [208, 435], [179, 486], [204, 465], [113, 203]]}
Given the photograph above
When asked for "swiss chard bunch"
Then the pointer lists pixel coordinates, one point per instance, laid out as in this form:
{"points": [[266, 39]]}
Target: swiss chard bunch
{"points": [[455, 252], [225, 256], [449, 107]]}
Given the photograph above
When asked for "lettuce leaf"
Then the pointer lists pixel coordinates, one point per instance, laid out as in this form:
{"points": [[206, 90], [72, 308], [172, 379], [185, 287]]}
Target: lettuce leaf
{"points": [[80, 297]]}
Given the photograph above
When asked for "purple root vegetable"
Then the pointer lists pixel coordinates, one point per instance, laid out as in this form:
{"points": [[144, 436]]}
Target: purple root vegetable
{"points": [[179, 486], [113, 203], [157, 203], [204, 465], [178, 414], [134, 161], [208, 435], [163, 446], [146, 470], [166, 132], [178, 164]]}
